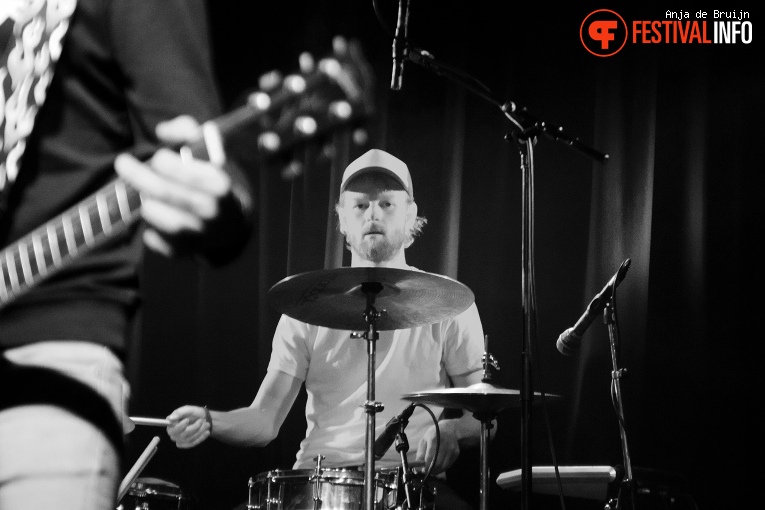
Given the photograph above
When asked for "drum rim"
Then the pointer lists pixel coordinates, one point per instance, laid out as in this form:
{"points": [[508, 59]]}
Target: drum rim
{"points": [[329, 474], [162, 488], [333, 475]]}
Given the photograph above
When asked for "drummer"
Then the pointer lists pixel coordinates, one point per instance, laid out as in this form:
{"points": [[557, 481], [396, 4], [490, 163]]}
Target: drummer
{"points": [[378, 216]]}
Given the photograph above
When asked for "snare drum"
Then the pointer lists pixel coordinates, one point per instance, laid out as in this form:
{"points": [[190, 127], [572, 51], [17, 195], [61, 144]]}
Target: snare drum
{"points": [[330, 489], [154, 494]]}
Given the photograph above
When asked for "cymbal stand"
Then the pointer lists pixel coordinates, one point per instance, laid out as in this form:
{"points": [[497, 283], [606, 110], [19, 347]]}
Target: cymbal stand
{"points": [[371, 289], [609, 317], [486, 419]]}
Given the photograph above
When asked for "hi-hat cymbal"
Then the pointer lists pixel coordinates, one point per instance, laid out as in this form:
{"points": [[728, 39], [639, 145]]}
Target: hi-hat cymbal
{"points": [[333, 298], [476, 398]]}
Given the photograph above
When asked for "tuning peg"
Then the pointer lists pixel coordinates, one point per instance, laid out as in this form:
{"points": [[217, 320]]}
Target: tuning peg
{"points": [[295, 84], [269, 141], [341, 110], [269, 81], [305, 125], [307, 63], [360, 136], [292, 170], [330, 66], [259, 100], [328, 150], [340, 46]]}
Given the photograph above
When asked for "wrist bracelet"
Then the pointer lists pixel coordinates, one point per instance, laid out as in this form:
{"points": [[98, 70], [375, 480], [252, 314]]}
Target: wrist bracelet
{"points": [[208, 417]]}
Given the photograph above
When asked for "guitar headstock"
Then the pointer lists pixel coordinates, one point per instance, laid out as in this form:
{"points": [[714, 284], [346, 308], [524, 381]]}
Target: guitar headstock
{"points": [[324, 96]]}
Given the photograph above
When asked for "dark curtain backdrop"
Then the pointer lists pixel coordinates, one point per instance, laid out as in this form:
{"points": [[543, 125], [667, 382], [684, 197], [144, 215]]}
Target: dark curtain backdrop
{"points": [[681, 197]]}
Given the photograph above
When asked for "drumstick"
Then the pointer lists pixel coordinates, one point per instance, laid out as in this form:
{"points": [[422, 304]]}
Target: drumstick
{"points": [[144, 459], [151, 422]]}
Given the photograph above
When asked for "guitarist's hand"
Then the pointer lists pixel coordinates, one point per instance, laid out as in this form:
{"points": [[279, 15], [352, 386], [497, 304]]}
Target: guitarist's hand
{"points": [[181, 200]]}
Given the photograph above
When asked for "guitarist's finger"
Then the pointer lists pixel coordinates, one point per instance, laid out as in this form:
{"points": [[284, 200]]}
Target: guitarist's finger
{"points": [[168, 219], [157, 243], [159, 188], [196, 174], [178, 130]]}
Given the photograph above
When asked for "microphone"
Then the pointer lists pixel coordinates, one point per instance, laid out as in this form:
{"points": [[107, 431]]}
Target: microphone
{"points": [[570, 340], [400, 43], [384, 440]]}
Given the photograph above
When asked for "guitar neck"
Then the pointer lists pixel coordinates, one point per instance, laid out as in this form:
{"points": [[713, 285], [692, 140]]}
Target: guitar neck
{"points": [[114, 207], [50, 247]]}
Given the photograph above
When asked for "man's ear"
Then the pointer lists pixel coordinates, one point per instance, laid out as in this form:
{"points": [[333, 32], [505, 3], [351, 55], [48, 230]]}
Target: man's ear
{"points": [[411, 215], [341, 222]]}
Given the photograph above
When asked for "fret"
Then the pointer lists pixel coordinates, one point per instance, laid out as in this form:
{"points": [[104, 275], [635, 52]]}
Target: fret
{"points": [[13, 277], [63, 247], [122, 200], [87, 229], [103, 214], [42, 266], [3, 286], [26, 268], [115, 216], [134, 200], [55, 253], [77, 230], [71, 245], [94, 218]]}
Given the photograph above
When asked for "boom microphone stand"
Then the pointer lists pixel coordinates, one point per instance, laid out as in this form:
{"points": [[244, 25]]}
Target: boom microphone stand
{"points": [[529, 127]]}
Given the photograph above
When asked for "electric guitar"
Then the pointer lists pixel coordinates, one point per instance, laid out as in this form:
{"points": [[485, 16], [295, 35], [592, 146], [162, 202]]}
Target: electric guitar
{"points": [[285, 112]]}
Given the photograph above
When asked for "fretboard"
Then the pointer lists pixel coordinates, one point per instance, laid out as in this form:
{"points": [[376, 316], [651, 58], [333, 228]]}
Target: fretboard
{"points": [[53, 245]]}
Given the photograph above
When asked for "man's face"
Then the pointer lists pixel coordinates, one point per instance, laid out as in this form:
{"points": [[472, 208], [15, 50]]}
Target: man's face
{"points": [[375, 215]]}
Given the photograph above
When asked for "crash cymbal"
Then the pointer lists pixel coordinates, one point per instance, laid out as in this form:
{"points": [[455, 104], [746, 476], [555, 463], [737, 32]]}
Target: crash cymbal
{"points": [[333, 298], [476, 398]]}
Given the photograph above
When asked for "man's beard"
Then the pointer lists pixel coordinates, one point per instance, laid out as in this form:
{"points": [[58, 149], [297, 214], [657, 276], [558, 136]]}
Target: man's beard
{"points": [[380, 248]]}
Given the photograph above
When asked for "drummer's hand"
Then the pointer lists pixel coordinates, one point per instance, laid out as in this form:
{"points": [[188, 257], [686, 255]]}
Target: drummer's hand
{"points": [[188, 426], [449, 449]]}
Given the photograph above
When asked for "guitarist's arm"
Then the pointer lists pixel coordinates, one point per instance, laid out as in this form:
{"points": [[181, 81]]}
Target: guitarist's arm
{"points": [[189, 205]]}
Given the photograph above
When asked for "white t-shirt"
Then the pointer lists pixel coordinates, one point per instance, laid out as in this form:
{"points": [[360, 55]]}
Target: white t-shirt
{"points": [[334, 368]]}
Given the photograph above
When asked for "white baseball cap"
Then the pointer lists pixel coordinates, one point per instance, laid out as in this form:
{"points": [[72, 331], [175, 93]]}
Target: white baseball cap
{"points": [[376, 160]]}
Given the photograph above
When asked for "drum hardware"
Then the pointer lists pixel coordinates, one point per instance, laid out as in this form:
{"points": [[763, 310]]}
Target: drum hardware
{"points": [[316, 483], [484, 400], [154, 494], [332, 298], [336, 489], [402, 447]]}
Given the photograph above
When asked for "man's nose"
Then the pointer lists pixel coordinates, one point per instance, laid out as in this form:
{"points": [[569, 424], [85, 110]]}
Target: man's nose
{"points": [[373, 211]]}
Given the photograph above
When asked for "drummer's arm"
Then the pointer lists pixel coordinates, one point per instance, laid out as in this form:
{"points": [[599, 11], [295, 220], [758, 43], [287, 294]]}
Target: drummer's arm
{"points": [[259, 424], [256, 425]]}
